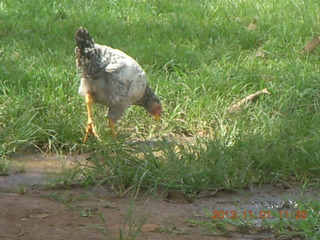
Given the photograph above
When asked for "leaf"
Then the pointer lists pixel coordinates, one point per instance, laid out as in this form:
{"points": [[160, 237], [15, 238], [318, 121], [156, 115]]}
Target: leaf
{"points": [[150, 227], [86, 212], [232, 228], [260, 53], [107, 204], [253, 25], [312, 44]]}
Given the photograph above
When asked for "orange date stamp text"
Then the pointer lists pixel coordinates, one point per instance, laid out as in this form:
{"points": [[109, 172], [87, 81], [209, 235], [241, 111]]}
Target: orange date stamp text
{"points": [[260, 215]]}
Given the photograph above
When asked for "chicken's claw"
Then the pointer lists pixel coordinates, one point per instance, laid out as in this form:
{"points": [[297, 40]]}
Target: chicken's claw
{"points": [[90, 129]]}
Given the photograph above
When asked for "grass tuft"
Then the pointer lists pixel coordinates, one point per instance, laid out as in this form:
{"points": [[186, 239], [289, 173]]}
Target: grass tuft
{"points": [[200, 58]]}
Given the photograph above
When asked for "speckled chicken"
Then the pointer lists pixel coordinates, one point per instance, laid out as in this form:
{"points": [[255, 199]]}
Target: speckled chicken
{"points": [[112, 78]]}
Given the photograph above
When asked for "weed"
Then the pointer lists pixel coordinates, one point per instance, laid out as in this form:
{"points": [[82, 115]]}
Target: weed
{"points": [[67, 197], [131, 227], [4, 165], [303, 223], [200, 58]]}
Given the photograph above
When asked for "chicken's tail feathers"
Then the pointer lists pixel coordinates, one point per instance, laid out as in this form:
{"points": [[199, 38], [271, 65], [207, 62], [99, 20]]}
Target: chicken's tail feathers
{"points": [[83, 38]]}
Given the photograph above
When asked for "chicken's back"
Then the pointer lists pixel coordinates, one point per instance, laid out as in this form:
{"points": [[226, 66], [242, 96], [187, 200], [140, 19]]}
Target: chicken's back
{"points": [[111, 77]]}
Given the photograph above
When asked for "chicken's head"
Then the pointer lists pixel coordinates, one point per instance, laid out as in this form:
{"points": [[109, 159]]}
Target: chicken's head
{"points": [[151, 103], [156, 110]]}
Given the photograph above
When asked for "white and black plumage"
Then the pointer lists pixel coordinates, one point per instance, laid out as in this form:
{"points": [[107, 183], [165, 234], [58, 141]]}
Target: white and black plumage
{"points": [[112, 78]]}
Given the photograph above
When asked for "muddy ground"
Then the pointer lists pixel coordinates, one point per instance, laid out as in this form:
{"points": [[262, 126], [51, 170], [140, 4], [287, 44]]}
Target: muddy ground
{"points": [[29, 211]]}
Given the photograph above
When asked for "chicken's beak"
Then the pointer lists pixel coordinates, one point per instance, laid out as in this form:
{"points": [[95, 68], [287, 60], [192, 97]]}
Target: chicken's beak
{"points": [[157, 116]]}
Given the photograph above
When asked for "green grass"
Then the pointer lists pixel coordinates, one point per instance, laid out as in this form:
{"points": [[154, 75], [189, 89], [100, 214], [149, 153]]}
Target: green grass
{"points": [[131, 227], [200, 59], [307, 227], [302, 223]]}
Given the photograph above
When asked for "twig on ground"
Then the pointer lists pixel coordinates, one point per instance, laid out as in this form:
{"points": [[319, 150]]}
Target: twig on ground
{"points": [[236, 107]]}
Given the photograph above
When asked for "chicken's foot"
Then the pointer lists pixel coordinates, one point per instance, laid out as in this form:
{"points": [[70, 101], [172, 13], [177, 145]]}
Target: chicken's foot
{"points": [[90, 125]]}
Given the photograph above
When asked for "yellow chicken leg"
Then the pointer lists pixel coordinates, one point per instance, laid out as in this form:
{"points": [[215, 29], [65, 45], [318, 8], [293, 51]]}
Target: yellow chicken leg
{"points": [[90, 125], [113, 128]]}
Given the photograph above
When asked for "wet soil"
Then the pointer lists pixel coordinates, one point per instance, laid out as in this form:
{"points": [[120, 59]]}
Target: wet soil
{"points": [[28, 211]]}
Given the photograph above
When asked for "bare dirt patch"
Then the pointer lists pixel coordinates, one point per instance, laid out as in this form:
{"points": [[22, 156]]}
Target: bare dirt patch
{"points": [[31, 212]]}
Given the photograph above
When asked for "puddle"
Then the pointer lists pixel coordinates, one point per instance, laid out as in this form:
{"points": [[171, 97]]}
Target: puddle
{"points": [[32, 170]]}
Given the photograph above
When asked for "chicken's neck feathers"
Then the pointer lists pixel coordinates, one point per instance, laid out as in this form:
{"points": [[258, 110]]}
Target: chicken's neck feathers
{"points": [[148, 98]]}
